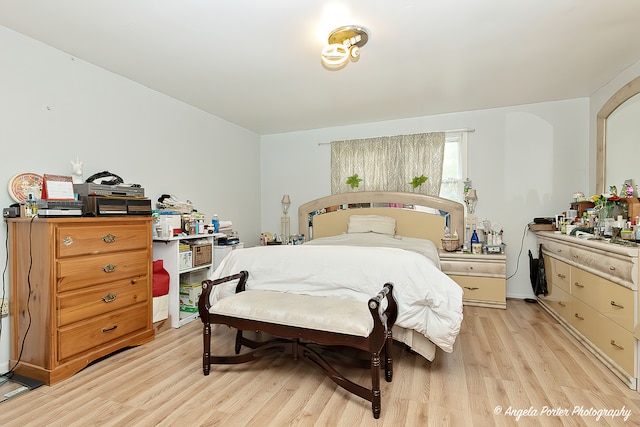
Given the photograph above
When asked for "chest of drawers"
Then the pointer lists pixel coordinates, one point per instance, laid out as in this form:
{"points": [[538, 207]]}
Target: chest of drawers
{"points": [[593, 292], [80, 289]]}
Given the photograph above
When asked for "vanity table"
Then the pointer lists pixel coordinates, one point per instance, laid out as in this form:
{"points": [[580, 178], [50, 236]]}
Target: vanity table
{"points": [[593, 293]]}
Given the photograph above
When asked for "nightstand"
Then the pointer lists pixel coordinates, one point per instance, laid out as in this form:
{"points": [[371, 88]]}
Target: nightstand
{"points": [[482, 277]]}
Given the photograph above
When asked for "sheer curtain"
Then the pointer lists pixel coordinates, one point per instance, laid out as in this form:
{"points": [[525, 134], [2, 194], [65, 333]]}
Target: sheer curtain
{"points": [[389, 163]]}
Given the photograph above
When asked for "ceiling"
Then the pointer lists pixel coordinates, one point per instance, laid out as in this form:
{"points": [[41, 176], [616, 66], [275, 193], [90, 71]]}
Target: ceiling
{"points": [[256, 63]]}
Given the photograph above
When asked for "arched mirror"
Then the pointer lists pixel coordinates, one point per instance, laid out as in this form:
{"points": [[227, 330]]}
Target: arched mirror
{"points": [[618, 138]]}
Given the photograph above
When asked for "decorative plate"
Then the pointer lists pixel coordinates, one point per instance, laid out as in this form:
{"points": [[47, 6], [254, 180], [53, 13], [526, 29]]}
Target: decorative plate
{"points": [[24, 183]]}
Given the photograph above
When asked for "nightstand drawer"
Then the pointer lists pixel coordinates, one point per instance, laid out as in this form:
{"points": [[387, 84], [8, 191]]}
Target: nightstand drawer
{"points": [[81, 272], [77, 240], [93, 333], [489, 289], [76, 306]]}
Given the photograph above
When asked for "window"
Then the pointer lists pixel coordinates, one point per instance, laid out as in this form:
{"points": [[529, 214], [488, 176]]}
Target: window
{"points": [[454, 167]]}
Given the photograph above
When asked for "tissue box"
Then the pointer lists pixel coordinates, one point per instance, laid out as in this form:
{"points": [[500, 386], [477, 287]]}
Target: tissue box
{"points": [[189, 295]]}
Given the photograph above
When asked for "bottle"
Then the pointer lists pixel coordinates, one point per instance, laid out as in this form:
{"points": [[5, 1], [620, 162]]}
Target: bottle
{"points": [[216, 223], [476, 246]]}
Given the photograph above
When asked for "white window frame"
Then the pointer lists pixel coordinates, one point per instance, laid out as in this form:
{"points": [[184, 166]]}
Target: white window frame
{"points": [[460, 138]]}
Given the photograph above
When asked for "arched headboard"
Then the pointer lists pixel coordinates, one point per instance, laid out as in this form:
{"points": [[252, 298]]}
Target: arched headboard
{"points": [[417, 215]]}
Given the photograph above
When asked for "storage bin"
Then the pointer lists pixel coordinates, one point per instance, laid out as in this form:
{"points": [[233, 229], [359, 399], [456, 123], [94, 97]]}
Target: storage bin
{"points": [[201, 254]]}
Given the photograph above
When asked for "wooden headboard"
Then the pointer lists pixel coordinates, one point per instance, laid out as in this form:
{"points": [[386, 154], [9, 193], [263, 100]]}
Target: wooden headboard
{"points": [[416, 215]]}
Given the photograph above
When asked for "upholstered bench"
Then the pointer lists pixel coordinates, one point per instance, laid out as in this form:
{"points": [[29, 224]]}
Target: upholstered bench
{"points": [[304, 326]]}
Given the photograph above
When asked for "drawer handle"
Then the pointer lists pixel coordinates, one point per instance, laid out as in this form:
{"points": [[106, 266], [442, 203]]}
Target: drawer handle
{"points": [[109, 238], [109, 297], [578, 316], [575, 256], [561, 304], [562, 276], [471, 289], [113, 328], [612, 268], [109, 268], [579, 285], [615, 304], [613, 343], [67, 241]]}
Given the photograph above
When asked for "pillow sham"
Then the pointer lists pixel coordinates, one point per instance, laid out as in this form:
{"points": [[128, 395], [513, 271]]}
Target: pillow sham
{"points": [[371, 224]]}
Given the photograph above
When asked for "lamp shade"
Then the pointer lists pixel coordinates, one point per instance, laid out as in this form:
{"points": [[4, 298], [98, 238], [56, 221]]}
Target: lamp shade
{"points": [[286, 202]]}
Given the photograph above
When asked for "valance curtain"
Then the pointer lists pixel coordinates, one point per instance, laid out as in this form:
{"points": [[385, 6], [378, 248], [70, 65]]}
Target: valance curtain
{"points": [[389, 163]]}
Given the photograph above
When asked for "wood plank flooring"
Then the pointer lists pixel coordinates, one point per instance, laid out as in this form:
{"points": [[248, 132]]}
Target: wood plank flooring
{"points": [[504, 361]]}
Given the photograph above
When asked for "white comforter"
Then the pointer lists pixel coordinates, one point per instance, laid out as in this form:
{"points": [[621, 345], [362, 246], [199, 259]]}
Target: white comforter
{"points": [[428, 300]]}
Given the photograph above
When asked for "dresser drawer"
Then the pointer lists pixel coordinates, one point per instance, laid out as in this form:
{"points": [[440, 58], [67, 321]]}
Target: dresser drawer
{"points": [[613, 301], [616, 342], [93, 333], [101, 299], [81, 272], [558, 274], [584, 318], [618, 268], [487, 289], [76, 240], [560, 302]]}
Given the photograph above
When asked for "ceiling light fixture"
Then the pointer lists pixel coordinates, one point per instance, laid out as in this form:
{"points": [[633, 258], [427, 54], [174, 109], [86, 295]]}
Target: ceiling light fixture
{"points": [[344, 44]]}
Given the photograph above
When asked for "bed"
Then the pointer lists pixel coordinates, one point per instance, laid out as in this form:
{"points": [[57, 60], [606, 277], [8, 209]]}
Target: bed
{"points": [[351, 251]]}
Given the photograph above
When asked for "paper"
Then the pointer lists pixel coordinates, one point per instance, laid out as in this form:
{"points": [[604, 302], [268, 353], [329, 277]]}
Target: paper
{"points": [[57, 187]]}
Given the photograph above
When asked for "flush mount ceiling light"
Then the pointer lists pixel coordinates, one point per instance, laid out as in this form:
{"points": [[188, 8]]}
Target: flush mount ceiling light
{"points": [[344, 44]]}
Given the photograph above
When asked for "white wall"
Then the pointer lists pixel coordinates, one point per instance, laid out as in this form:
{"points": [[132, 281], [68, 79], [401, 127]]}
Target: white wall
{"points": [[525, 162], [54, 108]]}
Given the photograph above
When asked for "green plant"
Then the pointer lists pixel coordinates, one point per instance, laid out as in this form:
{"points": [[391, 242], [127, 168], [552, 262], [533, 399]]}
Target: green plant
{"points": [[418, 181], [354, 180]]}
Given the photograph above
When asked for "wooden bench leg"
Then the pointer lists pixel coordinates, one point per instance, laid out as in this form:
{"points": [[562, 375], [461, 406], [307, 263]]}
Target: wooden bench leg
{"points": [[238, 341], [375, 385], [388, 358], [206, 337]]}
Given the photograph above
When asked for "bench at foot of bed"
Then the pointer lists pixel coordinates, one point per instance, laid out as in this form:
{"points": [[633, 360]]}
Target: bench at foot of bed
{"points": [[299, 324]]}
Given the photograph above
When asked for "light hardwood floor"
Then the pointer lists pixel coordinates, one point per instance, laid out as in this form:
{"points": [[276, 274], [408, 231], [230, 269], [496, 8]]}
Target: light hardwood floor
{"points": [[517, 358]]}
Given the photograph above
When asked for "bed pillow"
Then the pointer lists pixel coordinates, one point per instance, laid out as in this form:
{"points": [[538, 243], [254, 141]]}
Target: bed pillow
{"points": [[371, 224]]}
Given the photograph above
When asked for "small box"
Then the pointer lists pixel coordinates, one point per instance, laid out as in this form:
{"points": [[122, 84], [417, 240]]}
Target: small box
{"points": [[186, 260], [189, 295], [201, 254], [542, 227]]}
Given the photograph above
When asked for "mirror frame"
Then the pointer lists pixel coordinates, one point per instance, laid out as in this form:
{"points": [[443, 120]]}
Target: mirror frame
{"points": [[627, 91]]}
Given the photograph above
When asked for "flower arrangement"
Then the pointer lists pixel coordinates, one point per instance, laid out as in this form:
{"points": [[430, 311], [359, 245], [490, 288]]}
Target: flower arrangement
{"points": [[604, 204]]}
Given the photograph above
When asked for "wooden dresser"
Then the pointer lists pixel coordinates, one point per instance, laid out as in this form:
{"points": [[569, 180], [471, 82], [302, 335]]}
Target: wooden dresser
{"points": [[593, 293], [80, 289], [481, 277]]}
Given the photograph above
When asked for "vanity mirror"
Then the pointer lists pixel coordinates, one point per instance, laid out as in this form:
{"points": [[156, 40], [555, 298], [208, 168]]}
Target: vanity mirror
{"points": [[618, 137]]}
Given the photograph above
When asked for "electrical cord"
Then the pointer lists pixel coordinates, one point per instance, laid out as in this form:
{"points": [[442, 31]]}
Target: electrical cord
{"points": [[4, 273], [10, 372], [526, 227]]}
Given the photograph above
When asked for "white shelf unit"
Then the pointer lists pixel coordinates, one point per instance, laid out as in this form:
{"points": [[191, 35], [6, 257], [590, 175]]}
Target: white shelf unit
{"points": [[168, 250]]}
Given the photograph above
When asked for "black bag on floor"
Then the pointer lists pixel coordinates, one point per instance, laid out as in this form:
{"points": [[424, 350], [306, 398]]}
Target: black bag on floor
{"points": [[537, 273]]}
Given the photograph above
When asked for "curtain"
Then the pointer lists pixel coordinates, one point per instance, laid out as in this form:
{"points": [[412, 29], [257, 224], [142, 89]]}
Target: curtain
{"points": [[389, 163]]}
